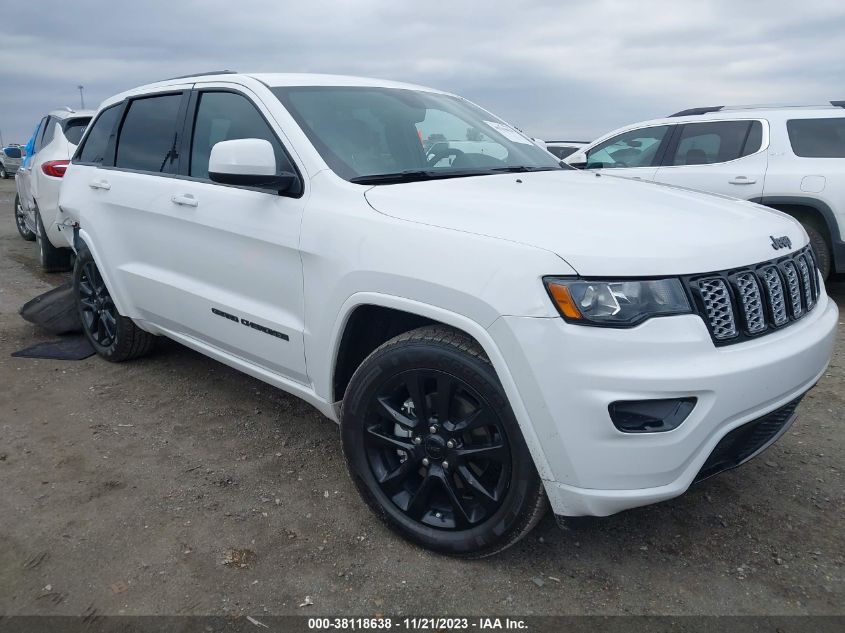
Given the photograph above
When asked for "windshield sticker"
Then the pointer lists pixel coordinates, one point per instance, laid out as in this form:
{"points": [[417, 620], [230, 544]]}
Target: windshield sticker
{"points": [[509, 133]]}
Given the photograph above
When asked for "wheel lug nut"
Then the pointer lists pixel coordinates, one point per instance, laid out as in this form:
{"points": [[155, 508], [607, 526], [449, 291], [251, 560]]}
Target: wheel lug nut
{"points": [[450, 444], [425, 461], [445, 465], [432, 428], [417, 439]]}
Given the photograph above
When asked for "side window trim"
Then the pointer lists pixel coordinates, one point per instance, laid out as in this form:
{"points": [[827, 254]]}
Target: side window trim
{"points": [[667, 145], [178, 144], [188, 139], [668, 156]]}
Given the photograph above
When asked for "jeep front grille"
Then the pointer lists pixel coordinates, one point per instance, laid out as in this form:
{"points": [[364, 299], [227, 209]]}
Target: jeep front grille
{"points": [[747, 302]]}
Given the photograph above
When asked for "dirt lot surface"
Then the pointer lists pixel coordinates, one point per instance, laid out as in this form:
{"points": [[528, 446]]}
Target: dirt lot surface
{"points": [[175, 485]]}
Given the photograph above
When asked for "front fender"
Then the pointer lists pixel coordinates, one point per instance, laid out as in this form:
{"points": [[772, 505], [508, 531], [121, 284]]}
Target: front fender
{"points": [[471, 327]]}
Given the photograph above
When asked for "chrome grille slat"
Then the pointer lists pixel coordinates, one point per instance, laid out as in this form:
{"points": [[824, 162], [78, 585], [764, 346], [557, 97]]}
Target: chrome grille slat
{"points": [[806, 283], [794, 287], [748, 302], [777, 303], [717, 303], [751, 302]]}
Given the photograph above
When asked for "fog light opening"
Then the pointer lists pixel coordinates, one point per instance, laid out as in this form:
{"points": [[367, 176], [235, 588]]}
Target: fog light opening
{"points": [[650, 416]]}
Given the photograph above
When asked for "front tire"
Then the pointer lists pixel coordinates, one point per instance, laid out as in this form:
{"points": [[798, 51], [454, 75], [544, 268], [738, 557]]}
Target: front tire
{"points": [[53, 260], [3, 173], [20, 221], [434, 449], [112, 335]]}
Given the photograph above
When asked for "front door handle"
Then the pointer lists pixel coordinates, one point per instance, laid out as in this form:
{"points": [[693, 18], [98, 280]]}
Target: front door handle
{"points": [[742, 180], [99, 184], [185, 200]]}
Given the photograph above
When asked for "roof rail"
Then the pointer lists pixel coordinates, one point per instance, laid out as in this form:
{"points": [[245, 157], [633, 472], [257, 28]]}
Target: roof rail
{"points": [[838, 104], [693, 111], [211, 72]]}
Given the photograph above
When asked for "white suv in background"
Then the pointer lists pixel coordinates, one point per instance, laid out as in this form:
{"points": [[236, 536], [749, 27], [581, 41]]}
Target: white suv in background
{"points": [[37, 200], [489, 328], [791, 158]]}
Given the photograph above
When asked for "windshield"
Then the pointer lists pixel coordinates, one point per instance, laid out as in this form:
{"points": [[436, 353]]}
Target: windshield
{"points": [[382, 135], [12, 152]]}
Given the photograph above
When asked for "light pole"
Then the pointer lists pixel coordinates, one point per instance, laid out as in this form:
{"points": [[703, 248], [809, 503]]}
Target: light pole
{"points": [[81, 97]]}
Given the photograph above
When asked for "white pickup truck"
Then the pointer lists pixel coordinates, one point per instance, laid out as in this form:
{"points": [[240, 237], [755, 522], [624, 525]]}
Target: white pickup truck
{"points": [[491, 330]]}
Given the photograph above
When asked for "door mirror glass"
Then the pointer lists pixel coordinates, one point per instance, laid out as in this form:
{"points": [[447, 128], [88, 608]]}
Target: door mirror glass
{"points": [[249, 162]]}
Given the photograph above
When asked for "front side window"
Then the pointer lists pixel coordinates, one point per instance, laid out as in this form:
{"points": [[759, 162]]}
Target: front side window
{"points": [[73, 129], [372, 135], [717, 142], [97, 141], [635, 148], [817, 138], [147, 138], [225, 116]]}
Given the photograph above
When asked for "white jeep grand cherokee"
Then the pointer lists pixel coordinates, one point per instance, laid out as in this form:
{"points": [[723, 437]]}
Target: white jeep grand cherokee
{"points": [[489, 329]]}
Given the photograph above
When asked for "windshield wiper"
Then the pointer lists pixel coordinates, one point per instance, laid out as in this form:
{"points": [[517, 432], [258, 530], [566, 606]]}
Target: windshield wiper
{"points": [[514, 169], [415, 175]]}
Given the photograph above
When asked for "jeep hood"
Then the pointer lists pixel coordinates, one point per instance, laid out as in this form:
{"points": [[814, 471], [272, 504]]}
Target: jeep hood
{"points": [[600, 225]]}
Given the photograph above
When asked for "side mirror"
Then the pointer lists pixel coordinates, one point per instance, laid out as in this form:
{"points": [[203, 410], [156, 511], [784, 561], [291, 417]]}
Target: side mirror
{"points": [[248, 162]]}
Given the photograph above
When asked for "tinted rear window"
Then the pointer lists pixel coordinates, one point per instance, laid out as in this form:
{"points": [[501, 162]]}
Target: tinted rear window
{"points": [[817, 138], [148, 134], [97, 141], [12, 152], [74, 129]]}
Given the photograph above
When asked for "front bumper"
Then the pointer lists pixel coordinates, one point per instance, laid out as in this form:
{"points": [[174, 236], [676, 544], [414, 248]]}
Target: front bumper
{"points": [[567, 375]]}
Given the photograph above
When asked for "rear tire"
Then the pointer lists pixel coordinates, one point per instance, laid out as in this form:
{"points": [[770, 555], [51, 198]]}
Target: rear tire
{"points": [[114, 336], [434, 449], [20, 221], [53, 260], [821, 249]]}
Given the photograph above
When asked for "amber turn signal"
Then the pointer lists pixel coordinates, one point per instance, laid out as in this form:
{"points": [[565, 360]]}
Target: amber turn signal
{"points": [[564, 301]]}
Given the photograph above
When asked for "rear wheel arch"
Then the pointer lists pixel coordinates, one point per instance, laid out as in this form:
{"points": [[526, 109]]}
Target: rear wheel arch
{"points": [[812, 213]]}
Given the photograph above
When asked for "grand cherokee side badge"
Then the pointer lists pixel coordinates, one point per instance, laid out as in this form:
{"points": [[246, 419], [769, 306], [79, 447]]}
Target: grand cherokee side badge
{"points": [[780, 242]]}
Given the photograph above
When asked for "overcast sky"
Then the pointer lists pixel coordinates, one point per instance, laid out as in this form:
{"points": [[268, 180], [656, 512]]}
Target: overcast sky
{"points": [[556, 69]]}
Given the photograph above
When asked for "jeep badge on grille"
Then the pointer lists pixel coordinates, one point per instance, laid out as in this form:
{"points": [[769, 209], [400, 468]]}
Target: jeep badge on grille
{"points": [[780, 242]]}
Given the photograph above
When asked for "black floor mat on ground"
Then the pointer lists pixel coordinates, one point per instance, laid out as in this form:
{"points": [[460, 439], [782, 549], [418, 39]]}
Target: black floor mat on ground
{"points": [[54, 311], [65, 348]]}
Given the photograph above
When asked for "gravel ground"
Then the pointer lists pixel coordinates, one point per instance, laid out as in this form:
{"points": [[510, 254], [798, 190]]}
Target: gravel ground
{"points": [[175, 485]]}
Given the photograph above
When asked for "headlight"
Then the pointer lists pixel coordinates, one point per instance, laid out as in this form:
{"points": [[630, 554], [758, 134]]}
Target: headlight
{"points": [[616, 303]]}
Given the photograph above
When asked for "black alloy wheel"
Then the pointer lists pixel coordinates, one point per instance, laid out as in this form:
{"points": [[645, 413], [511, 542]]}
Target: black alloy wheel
{"points": [[112, 335], [434, 448], [437, 450], [97, 310]]}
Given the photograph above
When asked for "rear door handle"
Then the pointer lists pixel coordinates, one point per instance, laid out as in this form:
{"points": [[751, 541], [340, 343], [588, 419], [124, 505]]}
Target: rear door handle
{"points": [[99, 184], [185, 200], [742, 180]]}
